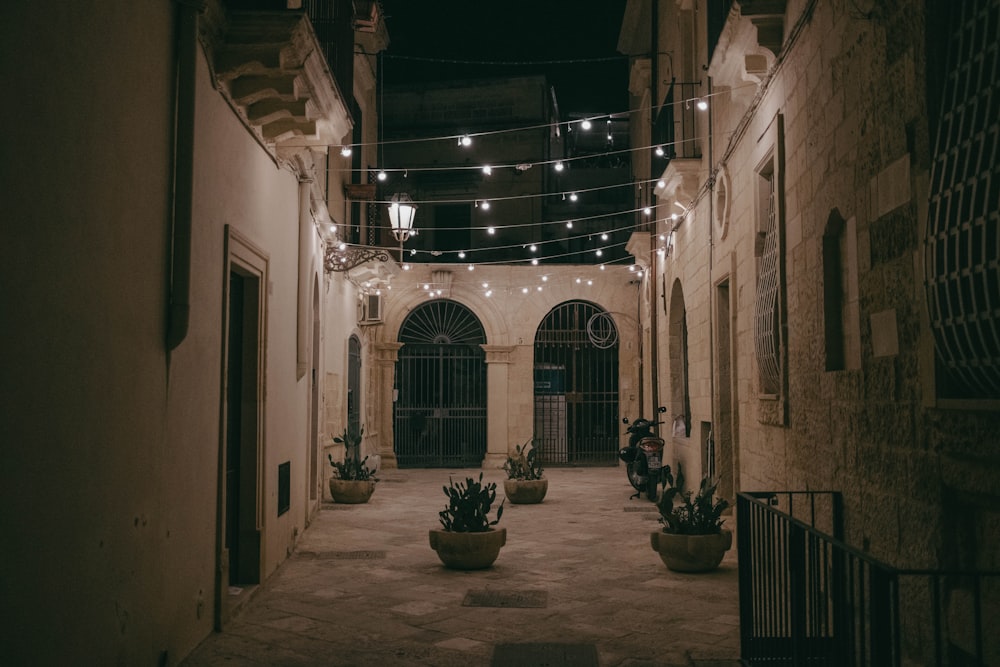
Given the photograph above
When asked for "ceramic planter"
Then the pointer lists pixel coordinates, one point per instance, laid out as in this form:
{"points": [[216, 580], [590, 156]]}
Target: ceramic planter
{"points": [[691, 553], [525, 492], [351, 491], [468, 551]]}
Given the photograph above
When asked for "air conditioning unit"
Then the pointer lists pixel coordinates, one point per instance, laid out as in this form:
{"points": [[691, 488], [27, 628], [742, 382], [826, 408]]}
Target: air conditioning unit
{"points": [[371, 309]]}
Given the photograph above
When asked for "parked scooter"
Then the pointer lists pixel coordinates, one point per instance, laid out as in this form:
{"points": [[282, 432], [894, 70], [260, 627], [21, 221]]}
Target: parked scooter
{"points": [[644, 457]]}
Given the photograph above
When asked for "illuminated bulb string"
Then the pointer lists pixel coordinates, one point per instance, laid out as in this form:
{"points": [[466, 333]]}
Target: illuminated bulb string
{"points": [[523, 128]]}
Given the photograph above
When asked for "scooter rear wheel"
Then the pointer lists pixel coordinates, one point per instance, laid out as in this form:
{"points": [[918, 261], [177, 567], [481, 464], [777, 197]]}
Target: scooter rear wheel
{"points": [[651, 485], [637, 481]]}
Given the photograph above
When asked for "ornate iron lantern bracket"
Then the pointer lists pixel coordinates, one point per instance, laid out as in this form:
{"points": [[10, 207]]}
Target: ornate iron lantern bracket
{"points": [[344, 257]]}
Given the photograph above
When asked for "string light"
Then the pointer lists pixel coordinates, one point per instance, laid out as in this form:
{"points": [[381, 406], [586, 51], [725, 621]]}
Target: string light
{"points": [[465, 140], [585, 123], [486, 205], [346, 151], [491, 230], [381, 175], [461, 254], [472, 267], [604, 236], [573, 197], [659, 151], [488, 170]]}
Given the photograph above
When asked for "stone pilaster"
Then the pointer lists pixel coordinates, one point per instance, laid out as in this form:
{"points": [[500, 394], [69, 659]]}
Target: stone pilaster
{"points": [[497, 417], [381, 396]]}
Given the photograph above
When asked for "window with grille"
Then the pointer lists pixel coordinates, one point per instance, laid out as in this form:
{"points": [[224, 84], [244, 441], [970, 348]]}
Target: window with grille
{"points": [[767, 311], [962, 246]]}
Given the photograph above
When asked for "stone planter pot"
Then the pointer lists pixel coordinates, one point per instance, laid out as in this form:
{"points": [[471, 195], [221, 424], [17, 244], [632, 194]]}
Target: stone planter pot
{"points": [[351, 491], [525, 492], [691, 553], [468, 551]]}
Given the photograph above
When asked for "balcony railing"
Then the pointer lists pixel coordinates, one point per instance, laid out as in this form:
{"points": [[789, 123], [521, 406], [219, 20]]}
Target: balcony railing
{"points": [[806, 598], [674, 127]]}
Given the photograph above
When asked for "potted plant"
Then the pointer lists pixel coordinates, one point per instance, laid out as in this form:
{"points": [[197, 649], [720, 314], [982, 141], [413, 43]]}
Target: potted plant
{"points": [[467, 539], [525, 484], [692, 538], [353, 481]]}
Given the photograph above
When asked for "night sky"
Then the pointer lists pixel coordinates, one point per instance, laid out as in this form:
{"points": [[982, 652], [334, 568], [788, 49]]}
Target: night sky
{"points": [[512, 31]]}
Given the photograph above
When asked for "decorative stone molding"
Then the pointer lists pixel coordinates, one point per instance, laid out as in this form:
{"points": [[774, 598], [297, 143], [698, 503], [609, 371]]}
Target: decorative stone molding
{"points": [[270, 68], [638, 247], [498, 354], [386, 354], [682, 178], [748, 47]]}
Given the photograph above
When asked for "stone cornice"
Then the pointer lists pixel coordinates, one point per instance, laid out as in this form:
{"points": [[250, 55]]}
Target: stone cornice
{"points": [[269, 67]]}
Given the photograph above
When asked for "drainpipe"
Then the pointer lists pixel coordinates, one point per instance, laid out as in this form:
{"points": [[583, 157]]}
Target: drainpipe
{"points": [[711, 287], [654, 319], [305, 271], [182, 202]]}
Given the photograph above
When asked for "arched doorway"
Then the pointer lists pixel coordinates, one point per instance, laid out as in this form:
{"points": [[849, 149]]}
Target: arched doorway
{"points": [[576, 385], [440, 408]]}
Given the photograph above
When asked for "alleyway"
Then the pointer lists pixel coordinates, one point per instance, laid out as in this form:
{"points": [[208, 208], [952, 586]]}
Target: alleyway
{"points": [[364, 587]]}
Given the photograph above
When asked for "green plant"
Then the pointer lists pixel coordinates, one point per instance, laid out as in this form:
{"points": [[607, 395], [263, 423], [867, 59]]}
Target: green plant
{"points": [[469, 505], [352, 467], [523, 464], [700, 515]]}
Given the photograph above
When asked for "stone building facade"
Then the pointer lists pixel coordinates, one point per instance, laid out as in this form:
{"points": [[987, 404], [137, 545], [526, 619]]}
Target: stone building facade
{"points": [[793, 274]]}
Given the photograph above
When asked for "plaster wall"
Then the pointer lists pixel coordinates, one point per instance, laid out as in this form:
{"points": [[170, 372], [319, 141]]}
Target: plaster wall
{"points": [[112, 442]]}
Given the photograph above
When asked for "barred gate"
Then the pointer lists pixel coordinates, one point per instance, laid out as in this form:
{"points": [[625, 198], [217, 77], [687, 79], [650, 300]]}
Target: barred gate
{"points": [[440, 410], [576, 385]]}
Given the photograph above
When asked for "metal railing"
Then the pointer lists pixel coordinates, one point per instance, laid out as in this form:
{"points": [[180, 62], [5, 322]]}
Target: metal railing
{"points": [[807, 598]]}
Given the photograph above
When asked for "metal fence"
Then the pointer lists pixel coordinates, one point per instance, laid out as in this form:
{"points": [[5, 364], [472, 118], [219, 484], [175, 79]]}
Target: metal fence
{"points": [[807, 598]]}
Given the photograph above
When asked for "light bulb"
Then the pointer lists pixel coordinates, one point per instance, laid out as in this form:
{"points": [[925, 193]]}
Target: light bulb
{"points": [[488, 170], [701, 104], [610, 138], [489, 292], [559, 166], [533, 248], [599, 252], [585, 124], [461, 254], [342, 246], [602, 267], [491, 230], [577, 281], [647, 210], [659, 151], [604, 236], [539, 288], [381, 175], [524, 290], [631, 268], [573, 197], [569, 225], [661, 183], [406, 267], [545, 279], [345, 151], [590, 282], [485, 285], [534, 262], [486, 206], [466, 140], [663, 237], [472, 267], [426, 286]]}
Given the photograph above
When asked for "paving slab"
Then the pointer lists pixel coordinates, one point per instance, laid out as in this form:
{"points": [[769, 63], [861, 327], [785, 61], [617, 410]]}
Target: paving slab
{"points": [[364, 587]]}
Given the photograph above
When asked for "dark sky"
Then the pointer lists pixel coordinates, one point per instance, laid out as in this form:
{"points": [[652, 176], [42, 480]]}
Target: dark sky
{"points": [[512, 31]]}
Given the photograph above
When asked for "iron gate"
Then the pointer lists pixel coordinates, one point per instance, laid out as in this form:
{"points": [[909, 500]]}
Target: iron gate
{"points": [[576, 385], [440, 411]]}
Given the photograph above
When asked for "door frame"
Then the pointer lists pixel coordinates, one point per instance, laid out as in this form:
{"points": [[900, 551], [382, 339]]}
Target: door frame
{"points": [[247, 259]]}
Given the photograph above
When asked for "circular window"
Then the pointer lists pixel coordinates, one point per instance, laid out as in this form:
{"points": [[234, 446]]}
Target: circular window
{"points": [[722, 199]]}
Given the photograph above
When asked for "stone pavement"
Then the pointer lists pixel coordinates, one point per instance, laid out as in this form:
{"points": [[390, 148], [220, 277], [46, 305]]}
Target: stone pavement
{"points": [[363, 587]]}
